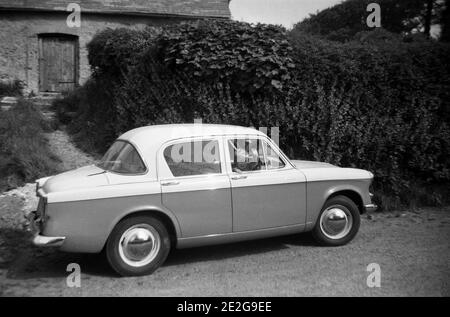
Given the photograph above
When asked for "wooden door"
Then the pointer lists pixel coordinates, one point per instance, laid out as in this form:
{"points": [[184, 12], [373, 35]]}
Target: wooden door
{"points": [[58, 63]]}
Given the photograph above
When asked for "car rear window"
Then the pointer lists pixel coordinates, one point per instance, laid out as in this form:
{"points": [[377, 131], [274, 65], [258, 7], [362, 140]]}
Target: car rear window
{"points": [[122, 158]]}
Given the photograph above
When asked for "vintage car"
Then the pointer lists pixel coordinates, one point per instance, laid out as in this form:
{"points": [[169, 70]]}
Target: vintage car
{"points": [[187, 185]]}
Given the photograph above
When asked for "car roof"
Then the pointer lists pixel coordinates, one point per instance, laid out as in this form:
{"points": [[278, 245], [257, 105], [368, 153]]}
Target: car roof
{"points": [[159, 134]]}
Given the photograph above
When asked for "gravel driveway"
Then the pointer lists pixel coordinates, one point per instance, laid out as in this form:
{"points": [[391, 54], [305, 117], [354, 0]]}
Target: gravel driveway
{"points": [[412, 249]]}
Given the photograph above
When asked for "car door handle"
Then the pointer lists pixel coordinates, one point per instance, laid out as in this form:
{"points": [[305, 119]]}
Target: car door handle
{"points": [[238, 177], [170, 183]]}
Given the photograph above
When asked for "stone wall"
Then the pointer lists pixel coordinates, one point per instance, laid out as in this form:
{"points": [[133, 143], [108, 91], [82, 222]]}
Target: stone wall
{"points": [[19, 31]]}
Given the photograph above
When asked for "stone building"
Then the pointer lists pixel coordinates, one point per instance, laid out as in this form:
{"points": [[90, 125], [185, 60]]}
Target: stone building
{"points": [[43, 42]]}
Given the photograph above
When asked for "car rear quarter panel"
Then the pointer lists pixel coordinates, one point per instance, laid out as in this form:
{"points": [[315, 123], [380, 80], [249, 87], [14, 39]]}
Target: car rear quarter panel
{"points": [[86, 224]]}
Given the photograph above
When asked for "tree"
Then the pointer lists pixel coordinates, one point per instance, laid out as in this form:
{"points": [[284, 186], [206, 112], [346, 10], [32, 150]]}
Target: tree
{"points": [[445, 23], [343, 21], [428, 15]]}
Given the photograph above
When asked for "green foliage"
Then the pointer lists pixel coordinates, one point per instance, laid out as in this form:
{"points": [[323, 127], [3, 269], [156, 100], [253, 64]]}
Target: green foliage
{"points": [[93, 112], [67, 107], [403, 145], [381, 35], [344, 20], [377, 103], [113, 52], [11, 88], [24, 152], [381, 105], [249, 57]]}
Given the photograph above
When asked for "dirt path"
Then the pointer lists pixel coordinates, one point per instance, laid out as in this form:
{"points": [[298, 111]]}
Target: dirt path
{"points": [[71, 157]]}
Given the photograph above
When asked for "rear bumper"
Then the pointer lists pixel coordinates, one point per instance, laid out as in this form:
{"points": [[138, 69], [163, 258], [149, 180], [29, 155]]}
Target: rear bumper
{"points": [[370, 207]]}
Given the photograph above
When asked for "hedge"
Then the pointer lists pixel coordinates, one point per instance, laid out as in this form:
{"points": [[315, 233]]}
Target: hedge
{"points": [[377, 103]]}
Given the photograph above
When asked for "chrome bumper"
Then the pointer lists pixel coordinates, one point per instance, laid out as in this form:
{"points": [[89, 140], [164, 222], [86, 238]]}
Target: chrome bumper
{"points": [[39, 240], [43, 241], [370, 207]]}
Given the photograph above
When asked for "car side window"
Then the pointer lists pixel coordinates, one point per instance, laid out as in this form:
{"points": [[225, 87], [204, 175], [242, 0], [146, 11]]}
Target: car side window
{"points": [[273, 160], [193, 158], [246, 155]]}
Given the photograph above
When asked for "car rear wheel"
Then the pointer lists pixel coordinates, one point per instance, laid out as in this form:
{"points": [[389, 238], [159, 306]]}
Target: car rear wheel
{"points": [[138, 246], [338, 222]]}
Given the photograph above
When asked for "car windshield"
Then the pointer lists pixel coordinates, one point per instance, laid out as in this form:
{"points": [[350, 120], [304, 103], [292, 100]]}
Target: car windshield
{"points": [[122, 158]]}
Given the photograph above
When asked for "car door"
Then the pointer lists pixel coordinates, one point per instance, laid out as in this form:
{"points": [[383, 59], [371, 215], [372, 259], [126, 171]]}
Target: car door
{"points": [[195, 186], [267, 190]]}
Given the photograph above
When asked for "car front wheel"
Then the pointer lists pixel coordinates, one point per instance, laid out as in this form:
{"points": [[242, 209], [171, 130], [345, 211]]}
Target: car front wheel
{"points": [[138, 246], [338, 222]]}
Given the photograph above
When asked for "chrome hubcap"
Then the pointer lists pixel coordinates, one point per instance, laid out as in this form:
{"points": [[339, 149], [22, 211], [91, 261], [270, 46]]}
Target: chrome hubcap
{"points": [[139, 245], [336, 222]]}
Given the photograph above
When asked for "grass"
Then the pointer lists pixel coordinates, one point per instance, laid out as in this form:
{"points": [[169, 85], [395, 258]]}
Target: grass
{"points": [[11, 88], [24, 151]]}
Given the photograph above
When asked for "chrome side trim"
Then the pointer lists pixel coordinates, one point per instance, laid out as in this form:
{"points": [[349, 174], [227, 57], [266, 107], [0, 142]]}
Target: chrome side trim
{"points": [[43, 241], [370, 207], [223, 238]]}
